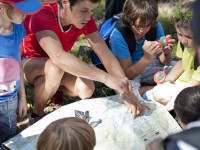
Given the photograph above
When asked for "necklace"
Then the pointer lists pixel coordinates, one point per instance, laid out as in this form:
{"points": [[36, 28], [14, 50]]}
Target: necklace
{"points": [[140, 41]]}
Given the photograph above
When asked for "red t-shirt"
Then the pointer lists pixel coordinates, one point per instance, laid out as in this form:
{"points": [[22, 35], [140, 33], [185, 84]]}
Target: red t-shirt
{"points": [[47, 19]]}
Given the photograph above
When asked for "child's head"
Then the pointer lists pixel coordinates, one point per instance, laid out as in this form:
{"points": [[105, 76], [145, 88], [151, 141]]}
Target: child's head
{"points": [[15, 10], [140, 15], [187, 105], [182, 16], [67, 133]]}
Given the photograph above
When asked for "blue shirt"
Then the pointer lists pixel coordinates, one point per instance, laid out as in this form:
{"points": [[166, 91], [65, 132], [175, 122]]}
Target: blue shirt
{"points": [[120, 48], [10, 75]]}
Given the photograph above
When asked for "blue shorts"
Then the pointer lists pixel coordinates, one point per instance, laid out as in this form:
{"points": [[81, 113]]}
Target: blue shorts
{"points": [[8, 118]]}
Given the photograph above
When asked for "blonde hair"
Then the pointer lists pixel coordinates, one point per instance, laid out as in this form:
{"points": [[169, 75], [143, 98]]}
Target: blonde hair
{"points": [[67, 134], [8, 9]]}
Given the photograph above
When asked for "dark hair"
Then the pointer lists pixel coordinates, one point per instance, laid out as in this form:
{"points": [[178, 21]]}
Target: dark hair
{"points": [[187, 104], [73, 2], [182, 14], [67, 134], [146, 10], [196, 22]]}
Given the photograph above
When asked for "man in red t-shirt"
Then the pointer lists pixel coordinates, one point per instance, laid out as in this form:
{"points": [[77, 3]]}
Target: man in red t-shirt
{"points": [[48, 66]]}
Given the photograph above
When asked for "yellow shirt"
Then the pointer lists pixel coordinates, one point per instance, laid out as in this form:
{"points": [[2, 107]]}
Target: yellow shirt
{"points": [[187, 57]]}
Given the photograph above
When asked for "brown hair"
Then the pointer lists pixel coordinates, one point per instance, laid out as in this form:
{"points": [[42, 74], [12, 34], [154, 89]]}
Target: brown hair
{"points": [[187, 104], [182, 14], [67, 134], [145, 10], [8, 9], [74, 2]]}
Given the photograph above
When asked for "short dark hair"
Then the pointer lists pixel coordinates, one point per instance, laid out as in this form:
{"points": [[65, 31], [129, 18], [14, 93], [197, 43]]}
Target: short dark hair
{"points": [[146, 10], [182, 14], [73, 2], [187, 104]]}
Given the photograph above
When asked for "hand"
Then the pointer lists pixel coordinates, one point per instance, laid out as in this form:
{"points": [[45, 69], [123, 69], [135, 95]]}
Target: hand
{"points": [[154, 145], [22, 108], [151, 49], [136, 106], [171, 44]]}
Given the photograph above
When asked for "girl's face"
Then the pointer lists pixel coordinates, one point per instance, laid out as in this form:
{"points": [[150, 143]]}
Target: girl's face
{"points": [[17, 17], [80, 13], [185, 37], [140, 30]]}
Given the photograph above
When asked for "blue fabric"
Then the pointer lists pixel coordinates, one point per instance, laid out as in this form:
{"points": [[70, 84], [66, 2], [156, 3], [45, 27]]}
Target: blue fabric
{"points": [[120, 48], [8, 118], [10, 49]]}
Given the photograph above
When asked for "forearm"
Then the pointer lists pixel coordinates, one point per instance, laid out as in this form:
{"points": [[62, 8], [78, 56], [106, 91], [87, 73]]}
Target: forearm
{"points": [[165, 59], [22, 94], [136, 69], [176, 71], [73, 65]]}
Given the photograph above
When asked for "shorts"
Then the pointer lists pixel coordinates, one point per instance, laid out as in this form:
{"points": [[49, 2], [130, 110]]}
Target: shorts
{"points": [[8, 118]]}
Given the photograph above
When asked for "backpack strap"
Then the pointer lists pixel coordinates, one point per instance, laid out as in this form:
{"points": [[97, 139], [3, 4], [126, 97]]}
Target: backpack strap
{"points": [[196, 61], [151, 34], [190, 136], [128, 35]]}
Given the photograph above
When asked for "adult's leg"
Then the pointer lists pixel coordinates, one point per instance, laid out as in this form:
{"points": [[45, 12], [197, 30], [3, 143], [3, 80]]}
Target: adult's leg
{"points": [[45, 77], [76, 86]]}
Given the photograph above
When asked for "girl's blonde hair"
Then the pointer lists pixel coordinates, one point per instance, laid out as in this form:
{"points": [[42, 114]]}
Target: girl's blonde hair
{"points": [[67, 134], [8, 9]]}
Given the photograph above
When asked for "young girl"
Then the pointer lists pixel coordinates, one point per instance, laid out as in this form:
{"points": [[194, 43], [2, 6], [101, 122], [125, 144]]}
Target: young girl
{"points": [[12, 13], [186, 72], [67, 134]]}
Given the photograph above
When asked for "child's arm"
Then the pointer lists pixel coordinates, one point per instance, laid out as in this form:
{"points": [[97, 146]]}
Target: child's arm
{"points": [[22, 98], [175, 72], [133, 70]]}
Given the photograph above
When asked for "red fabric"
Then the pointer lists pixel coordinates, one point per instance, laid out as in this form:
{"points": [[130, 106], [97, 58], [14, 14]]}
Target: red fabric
{"points": [[47, 19]]}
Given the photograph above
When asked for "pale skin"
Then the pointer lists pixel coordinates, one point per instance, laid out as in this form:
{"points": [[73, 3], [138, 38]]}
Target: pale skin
{"points": [[6, 28], [73, 76], [185, 37]]}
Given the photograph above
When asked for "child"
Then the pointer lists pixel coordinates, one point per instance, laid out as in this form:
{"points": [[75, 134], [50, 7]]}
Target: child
{"points": [[67, 134], [12, 13], [187, 110], [142, 63], [186, 72]]}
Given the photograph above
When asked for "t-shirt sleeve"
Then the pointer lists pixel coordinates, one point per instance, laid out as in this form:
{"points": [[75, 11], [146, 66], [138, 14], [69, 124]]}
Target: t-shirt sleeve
{"points": [[43, 20], [196, 74], [179, 52], [118, 45], [91, 26], [160, 31]]}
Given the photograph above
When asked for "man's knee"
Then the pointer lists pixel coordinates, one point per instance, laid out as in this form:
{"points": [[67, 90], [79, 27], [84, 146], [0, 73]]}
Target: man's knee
{"points": [[85, 91], [53, 72]]}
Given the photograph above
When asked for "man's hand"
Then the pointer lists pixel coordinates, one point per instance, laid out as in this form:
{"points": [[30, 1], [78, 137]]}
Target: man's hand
{"points": [[136, 106]]}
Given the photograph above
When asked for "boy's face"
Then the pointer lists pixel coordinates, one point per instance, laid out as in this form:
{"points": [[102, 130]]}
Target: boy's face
{"points": [[138, 29], [185, 37]]}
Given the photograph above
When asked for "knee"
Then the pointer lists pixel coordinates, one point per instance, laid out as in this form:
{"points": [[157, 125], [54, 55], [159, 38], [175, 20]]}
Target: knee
{"points": [[53, 72], [85, 91]]}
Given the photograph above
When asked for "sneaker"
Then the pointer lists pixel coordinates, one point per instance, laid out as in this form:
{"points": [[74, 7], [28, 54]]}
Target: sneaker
{"points": [[58, 97]]}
